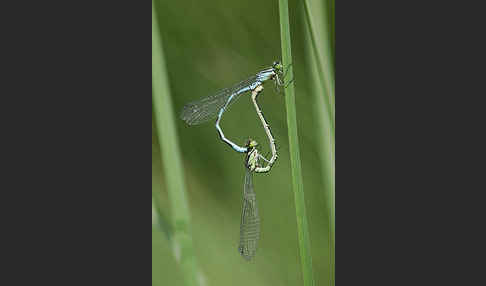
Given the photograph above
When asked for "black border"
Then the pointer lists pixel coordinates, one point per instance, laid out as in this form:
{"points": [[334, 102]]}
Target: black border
{"points": [[409, 143], [409, 80], [84, 153]]}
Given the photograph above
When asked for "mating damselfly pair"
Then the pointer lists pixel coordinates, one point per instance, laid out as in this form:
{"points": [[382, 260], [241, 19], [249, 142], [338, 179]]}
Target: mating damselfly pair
{"points": [[203, 110]]}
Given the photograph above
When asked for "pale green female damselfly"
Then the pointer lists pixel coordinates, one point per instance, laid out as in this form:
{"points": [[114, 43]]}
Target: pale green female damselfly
{"points": [[250, 220]]}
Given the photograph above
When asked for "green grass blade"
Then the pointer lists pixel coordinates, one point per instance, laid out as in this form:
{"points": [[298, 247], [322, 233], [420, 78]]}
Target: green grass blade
{"points": [[321, 38], [333, 31], [172, 166], [324, 139], [297, 184], [325, 66], [160, 221]]}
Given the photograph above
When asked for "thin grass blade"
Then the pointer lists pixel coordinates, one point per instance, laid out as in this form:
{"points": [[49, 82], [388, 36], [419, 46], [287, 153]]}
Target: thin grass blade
{"points": [[297, 182], [182, 239], [323, 55], [322, 37]]}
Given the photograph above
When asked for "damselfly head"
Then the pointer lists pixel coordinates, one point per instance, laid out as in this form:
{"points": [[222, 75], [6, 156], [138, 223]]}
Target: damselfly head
{"points": [[277, 66], [251, 143]]}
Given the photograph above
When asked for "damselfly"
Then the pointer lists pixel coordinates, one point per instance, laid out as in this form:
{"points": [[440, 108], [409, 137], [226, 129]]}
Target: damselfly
{"points": [[250, 220], [203, 110]]}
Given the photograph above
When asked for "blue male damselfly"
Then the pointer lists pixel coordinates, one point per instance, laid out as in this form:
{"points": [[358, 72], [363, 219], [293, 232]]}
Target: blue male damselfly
{"points": [[203, 110]]}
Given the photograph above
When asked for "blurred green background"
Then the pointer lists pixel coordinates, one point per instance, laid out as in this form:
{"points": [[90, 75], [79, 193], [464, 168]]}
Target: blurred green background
{"points": [[210, 45]]}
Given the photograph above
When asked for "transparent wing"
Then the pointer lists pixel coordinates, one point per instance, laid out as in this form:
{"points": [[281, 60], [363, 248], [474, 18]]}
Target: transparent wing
{"points": [[250, 221], [203, 110]]}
